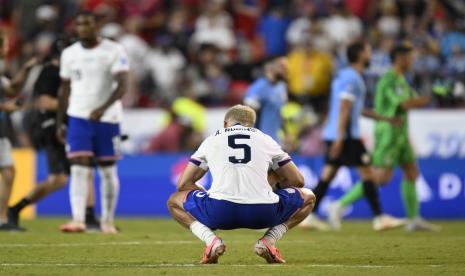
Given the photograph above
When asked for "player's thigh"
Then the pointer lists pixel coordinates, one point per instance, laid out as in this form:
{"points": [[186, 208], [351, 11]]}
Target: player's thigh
{"points": [[365, 172], [382, 175], [107, 141], [79, 138], [57, 161], [410, 171]]}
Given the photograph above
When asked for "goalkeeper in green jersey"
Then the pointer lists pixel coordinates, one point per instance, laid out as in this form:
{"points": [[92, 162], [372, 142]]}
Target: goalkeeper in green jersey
{"points": [[393, 99]]}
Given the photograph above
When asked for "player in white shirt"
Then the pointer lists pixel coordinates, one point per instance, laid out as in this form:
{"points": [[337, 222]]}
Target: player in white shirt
{"points": [[94, 74], [245, 164]]}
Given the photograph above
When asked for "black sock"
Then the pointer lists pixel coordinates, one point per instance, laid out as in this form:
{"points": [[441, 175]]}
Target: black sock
{"points": [[320, 191], [20, 205], [90, 214], [371, 193]]}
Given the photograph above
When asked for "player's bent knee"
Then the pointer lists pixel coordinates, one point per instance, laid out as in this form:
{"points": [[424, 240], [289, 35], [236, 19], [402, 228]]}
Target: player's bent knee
{"points": [[176, 200], [308, 195]]}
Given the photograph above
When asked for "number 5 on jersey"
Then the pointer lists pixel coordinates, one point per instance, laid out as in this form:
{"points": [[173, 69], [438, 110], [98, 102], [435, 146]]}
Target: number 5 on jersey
{"points": [[233, 143]]}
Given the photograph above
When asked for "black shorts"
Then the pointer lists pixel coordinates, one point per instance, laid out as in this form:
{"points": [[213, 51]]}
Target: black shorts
{"points": [[56, 157], [353, 154]]}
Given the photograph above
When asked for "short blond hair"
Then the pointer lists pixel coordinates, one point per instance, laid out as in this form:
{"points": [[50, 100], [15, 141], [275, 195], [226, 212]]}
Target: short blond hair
{"points": [[242, 114]]}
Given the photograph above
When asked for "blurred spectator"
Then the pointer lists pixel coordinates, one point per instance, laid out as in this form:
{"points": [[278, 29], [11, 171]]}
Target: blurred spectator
{"points": [[309, 75], [449, 37], [342, 27], [426, 68], [165, 64], [247, 13], [207, 79], [177, 136], [267, 95], [272, 29], [301, 27], [389, 23], [214, 26], [455, 64]]}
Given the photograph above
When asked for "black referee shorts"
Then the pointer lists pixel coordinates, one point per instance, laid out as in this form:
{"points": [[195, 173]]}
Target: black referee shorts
{"points": [[353, 154], [56, 157]]}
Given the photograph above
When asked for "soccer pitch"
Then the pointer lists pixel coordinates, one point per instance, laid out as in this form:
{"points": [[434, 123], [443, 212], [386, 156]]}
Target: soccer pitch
{"points": [[159, 246]]}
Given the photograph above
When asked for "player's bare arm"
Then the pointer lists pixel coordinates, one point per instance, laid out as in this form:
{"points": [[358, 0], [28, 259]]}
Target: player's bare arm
{"points": [[418, 102], [369, 113], [122, 80], [289, 176], [189, 177], [63, 98], [344, 115], [19, 79]]}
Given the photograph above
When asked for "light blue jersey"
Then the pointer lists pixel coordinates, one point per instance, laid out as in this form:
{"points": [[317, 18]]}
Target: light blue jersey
{"points": [[269, 98], [348, 84]]}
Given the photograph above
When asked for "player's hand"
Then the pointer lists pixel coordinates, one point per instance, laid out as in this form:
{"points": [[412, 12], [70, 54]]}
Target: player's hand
{"points": [[336, 148], [61, 134], [9, 106], [97, 114], [31, 63], [46, 102]]}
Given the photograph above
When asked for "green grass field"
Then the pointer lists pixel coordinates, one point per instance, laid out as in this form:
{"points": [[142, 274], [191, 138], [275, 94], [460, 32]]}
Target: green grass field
{"points": [[161, 247]]}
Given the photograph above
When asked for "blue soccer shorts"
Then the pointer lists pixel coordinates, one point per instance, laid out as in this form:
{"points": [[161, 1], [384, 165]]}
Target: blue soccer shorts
{"points": [[92, 138], [226, 215]]}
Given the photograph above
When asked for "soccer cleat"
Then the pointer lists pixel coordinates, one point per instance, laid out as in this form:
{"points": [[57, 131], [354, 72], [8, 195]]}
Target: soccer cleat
{"points": [[108, 229], [73, 227], [268, 252], [213, 251], [314, 222], [8, 227], [387, 222], [13, 217], [419, 224], [335, 212]]}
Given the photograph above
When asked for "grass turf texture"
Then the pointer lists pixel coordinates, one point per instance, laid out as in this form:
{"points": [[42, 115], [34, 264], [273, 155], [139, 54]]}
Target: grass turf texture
{"points": [[161, 247]]}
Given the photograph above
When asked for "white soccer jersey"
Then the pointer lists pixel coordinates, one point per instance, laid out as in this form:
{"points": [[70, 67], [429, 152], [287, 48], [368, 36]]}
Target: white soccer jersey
{"points": [[239, 159], [92, 75]]}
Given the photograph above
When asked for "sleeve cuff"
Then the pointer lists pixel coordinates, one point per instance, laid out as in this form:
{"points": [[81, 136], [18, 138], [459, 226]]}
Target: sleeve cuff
{"points": [[347, 96]]}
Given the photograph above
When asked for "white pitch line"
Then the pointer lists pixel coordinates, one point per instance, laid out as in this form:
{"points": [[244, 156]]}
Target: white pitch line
{"points": [[165, 265], [174, 265]]}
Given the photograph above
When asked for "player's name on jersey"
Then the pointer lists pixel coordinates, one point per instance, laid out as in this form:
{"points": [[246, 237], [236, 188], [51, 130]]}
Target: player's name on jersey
{"points": [[239, 128]]}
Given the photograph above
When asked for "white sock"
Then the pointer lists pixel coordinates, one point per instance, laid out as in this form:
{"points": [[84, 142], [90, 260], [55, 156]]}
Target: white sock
{"points": [[78, 192], [202, 232], [109, 190], [275, 233]]}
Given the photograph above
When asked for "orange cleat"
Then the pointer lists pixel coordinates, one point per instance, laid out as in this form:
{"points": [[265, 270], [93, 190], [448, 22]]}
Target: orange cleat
{"points": [[73, 227], [213, 251], [268, 252]]}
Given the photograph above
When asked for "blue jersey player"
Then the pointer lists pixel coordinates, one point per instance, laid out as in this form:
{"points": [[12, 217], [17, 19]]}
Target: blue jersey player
{"points": [[343, 140], [267, 95]]}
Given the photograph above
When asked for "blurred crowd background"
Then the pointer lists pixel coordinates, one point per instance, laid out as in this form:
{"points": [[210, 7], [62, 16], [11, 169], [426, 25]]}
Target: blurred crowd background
{"points": [[188, 55]]}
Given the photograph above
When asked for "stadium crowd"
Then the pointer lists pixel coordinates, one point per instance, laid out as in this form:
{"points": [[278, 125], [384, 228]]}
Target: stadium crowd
{"points": [[205, 53]]}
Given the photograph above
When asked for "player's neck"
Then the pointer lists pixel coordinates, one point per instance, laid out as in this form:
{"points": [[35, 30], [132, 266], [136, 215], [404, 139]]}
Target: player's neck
{"points": [[90, 43], [359, 67], [399, 70]]}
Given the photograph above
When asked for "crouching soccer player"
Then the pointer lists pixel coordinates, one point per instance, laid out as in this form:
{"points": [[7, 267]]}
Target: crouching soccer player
{"points": [[240, 157]]}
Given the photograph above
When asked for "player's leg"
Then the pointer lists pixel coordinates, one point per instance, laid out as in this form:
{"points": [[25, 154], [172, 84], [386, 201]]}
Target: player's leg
{"points": [[107, 151], [80, 152], [298, 203], [176, 206], [92, 222], [410, 199], [327, 175], [7, 175], [109, 191], [58, 167]]}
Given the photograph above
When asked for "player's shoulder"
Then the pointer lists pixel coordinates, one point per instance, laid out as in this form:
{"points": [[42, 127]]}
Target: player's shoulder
{"points": [[387, 77], [110, 45], [73, 48]]}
